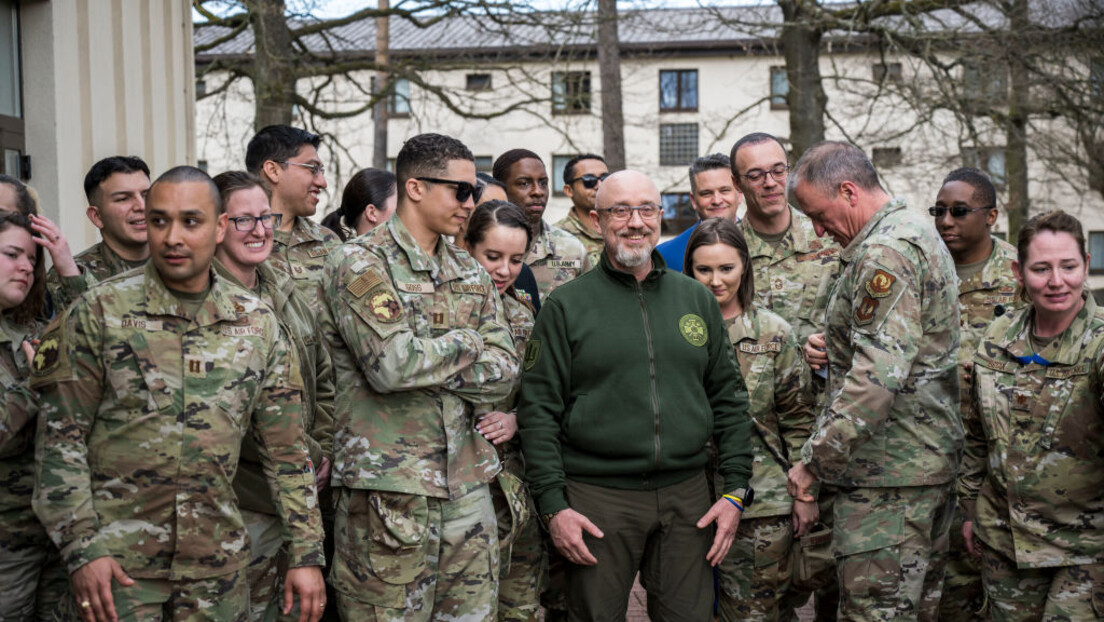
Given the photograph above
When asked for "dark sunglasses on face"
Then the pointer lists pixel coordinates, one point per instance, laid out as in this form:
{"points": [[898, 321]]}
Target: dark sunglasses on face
{"points": [[463, 188], [590, 182], [957, 211]]}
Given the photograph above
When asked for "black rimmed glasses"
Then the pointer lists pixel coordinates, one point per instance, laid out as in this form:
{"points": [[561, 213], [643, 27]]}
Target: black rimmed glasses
{"points": [[464, 190], [778, 172], [247, 223], [590, 182], [957, 211], [647, 211], [315, 169]]}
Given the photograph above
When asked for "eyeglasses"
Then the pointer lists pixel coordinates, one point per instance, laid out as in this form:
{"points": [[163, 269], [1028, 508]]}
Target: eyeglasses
{"points": [[647, 211], [778, 173], [315, 169], [590, 182], [463, 188], [247, 223], [957, 211]]}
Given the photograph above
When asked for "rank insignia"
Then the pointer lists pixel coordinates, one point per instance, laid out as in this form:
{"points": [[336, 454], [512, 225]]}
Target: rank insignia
{"points": [[865, 313], [880, 284], [47, 356], [384, 307], [693, 329]]}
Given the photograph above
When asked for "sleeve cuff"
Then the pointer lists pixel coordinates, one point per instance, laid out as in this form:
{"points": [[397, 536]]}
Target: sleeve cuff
{"points": [[302, 554], [83, 551], [552, 501]]}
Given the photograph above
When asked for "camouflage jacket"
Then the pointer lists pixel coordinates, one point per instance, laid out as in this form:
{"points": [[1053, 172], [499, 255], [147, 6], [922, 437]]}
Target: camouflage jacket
{"points": [[18, 404], [1033, 461], [891, 417], [417, 341], [794, 278], [771, 364], [277, 290], [591, 240], [301, 254], [556, 257], [97, 263], [983, 298], [143, 414], [520, 317]]}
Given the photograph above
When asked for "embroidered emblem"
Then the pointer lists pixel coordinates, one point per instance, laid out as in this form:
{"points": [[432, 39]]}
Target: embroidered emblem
{"points": [[384, 307], [693, 329], [880, 284], [760, 348], [363, 283], [47, 356], [532, 353], [466, 288], [865, 313], [415, 288]]}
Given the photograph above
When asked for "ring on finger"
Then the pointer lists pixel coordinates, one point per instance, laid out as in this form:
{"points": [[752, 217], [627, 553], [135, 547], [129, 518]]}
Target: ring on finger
{"points": [[86, 604]]}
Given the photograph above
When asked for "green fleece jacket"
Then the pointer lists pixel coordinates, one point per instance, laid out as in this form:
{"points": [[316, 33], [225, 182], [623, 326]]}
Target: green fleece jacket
{"points": [[625, 381]]}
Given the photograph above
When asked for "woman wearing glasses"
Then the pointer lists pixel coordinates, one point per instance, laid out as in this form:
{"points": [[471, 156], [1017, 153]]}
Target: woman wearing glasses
{"points": [[1033, 472], [498, 237], [755, 575], [240, 258]]}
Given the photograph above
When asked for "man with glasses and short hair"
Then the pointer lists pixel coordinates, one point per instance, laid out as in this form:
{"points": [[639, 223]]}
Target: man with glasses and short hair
{"points": [[965, 211], [419, 340], [617, 403], [582, 175], [713, 193], [286, 159], [555, 256]]}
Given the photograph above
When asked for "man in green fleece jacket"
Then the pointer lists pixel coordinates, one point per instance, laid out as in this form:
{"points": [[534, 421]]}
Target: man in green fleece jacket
{"points": [[628, 375]]}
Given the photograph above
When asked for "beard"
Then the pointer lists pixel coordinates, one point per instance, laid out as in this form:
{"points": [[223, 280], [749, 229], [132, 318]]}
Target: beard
{"points": [[632, 258]]}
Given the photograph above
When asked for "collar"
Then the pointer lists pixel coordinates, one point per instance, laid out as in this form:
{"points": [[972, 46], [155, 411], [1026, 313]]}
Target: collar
{"points": [[217, 307], [445, 267], [894, 205], [580, 226], [659, 268], [1066, 350], [303, 230], [796, 240]]}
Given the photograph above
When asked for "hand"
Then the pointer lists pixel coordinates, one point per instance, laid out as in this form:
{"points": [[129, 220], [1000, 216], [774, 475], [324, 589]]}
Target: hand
{"points": [[497, 427], [727, 518], [322, 473], [29, 350], [815, 351], [307, 582], [973, 546], [50, 238], [968, 375], [92, 584], [799, 480], [567, 528], [805, 516]]}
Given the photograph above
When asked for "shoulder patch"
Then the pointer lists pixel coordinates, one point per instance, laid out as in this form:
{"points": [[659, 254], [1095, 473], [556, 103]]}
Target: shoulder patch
{"points": [[48, 354], [363, 283], [693, 329], [384, 307], [880, 285], [532, 353], [864, 314]]}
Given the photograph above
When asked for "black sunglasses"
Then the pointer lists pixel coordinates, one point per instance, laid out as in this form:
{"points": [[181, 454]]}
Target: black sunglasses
{"points": [[590, 182], [957, 211], [463, 188]]}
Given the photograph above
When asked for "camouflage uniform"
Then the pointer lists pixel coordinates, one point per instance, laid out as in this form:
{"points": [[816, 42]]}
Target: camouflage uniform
{"points": [[144, 409], [32, 578], [301, 254], [262, 519], [417, 341], [591, 240], [521, 544], [982, 298], [890, 435], [556, 257], [1033, 472], [97, 263], [755, 575]]}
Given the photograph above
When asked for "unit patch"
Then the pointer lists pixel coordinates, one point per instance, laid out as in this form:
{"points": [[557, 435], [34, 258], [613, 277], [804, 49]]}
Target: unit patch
{"points": [[880, 285], [865, 313], [47, 356], [693, 329], [384, 307], [532, 353]]}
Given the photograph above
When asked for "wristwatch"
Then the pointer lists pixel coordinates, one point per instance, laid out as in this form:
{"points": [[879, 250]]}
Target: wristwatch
{"points": [[547, 518], [745, 495]]}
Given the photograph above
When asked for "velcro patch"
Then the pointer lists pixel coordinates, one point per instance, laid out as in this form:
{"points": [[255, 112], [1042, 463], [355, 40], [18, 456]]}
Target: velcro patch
{"points": [[467, 288], [565, 263], [318, 251], [760, 348], [880, 285], [47, 355], [414, 288], [150, 325], [384, 307], [363, 283], [532, 353], [242, 331], [865, 313]]}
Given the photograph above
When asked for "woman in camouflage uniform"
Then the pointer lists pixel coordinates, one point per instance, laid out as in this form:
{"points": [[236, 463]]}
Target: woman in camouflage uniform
{"points": [[498, 237], [1033, 472], [755, 575]]}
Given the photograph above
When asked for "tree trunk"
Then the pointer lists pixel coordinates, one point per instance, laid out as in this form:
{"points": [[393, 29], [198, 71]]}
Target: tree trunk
{"points": [[801, 37], [609, 71], [273, 63], [1015, 151], [379, 111]]}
